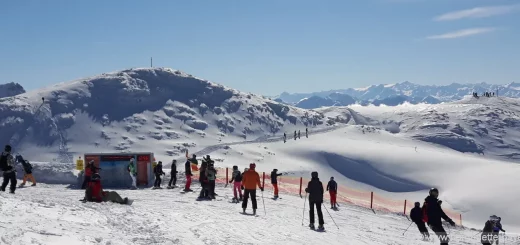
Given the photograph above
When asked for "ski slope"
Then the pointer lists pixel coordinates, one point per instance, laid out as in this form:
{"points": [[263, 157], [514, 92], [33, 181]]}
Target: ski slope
{"points": [[52, 214]]}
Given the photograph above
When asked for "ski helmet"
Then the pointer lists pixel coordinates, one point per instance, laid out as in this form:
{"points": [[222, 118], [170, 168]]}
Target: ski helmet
{"points": [[7, 148], [417, 204], [331, 178], [159, 162], [174, 161], [252, 166], [275, 170], [434, 190], [235, 167]]}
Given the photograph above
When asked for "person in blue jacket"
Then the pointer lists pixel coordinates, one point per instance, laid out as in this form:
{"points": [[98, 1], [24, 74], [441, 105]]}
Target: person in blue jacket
{"points": [[497, 228]]}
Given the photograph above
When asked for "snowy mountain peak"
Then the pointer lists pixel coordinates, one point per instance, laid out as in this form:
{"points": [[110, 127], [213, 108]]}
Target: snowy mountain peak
{"points": [[11, 89]]}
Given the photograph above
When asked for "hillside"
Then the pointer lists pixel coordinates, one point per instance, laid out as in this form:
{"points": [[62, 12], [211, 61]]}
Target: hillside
{"points": [[408, 92], [137, 108], [489, 126]]}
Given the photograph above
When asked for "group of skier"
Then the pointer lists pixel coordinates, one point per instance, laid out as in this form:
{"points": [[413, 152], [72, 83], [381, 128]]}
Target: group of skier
{"points": [[8, 167], [296, 135]]}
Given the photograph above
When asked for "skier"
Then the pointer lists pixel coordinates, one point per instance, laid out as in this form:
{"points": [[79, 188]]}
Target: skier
{"points": [[87, 174], [315, 190], [27, 168], [132, 170], [294, 134], [211, 174], [95, 192], [307, 132], [284, 137], [173, 178], [416, 217], [203, 179], [158, 172], [432, 214], [250, 179], [274, 181], [488, 236], [7, 166], [298, 134], [332, 187], [237, 177], [187, 171], [496, 230]]}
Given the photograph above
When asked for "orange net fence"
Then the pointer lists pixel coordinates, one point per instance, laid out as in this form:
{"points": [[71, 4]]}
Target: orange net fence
{"points": [[296, 186]]}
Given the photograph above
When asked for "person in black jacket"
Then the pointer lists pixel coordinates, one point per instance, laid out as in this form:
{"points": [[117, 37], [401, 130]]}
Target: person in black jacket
{"points": [[274, 181], [187, 170], [433, 214], [173, 174], [488, 237], [497, 229], [158, 172], [203, 179], [315, 190], [7, 165], [417, 217], [332, 187]]}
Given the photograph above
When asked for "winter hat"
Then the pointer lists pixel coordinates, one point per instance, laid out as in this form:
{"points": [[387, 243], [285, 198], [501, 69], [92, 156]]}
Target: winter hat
{"points": [[235, 167], [417, 204], [275, 170], [314, 174], [252, 166], [7, 148], [174, 161], [434, 190]]}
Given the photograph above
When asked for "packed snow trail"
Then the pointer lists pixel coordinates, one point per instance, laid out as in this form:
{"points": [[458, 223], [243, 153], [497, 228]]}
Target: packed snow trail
{"points": [[52, 214]]}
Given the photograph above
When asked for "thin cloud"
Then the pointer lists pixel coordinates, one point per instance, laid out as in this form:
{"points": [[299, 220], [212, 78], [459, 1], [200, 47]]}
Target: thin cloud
{"points": [[479, 12], [462, 33]]}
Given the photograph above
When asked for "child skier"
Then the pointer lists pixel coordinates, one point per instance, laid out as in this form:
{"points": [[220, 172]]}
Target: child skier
{"points": [[416, 217], [332, 187], [27, 168], [274, 181], [173, 178], [237, 177], [211, 174], [158, 172]]}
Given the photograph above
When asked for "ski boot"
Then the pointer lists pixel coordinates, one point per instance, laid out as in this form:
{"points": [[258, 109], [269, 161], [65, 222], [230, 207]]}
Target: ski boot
{"points": [[311, 225], [275, 197], [321, 228], [125, 201], [241, 198], [34, 184], [243, 210], [254, 211]]}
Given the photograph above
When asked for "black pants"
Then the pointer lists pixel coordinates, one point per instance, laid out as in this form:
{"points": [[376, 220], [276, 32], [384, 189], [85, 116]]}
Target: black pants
{"points": [[211, 188], [173, 180], [422, 229], [441, 233], [157, 180], [86, 180], [10, 176], [248, 193], [318, 209], [204, 189]]}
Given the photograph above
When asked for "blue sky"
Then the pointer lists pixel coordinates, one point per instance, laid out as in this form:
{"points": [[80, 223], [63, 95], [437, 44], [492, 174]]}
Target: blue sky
{"points": [[267, 46]]}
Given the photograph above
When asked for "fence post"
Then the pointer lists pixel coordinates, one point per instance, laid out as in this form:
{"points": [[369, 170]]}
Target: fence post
{"points": [[263, 181], [371, 200], [227, 176], [460, 217], [301, 182], [404, 212]]}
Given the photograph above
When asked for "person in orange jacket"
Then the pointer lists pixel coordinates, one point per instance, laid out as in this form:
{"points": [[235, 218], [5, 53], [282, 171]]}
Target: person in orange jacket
{"points": [[250, 179]]}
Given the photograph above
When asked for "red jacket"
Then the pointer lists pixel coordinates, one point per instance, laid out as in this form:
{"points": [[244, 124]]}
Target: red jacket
{"points": [[96, 191], [88, 171]]}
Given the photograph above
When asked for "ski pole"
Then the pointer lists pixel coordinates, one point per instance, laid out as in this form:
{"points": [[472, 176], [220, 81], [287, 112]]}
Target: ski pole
{"points": [[304, 203], [330, 215], [408, 228], [265, 212], [478, 233]]}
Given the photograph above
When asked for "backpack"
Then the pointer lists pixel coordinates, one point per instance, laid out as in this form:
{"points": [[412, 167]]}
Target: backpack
{"points": [[27, 166], [3, 162]]}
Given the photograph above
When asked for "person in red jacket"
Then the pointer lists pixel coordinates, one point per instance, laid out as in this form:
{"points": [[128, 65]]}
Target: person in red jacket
{"points": [[95, 192], [87, 174]]}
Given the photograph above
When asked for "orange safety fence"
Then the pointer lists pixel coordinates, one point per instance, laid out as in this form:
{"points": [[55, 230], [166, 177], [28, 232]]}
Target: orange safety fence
{"points": [[296, 186]]}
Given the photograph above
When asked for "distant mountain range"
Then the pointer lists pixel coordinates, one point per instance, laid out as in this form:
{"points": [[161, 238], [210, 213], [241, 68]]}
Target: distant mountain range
{"points": [[395, 94]]}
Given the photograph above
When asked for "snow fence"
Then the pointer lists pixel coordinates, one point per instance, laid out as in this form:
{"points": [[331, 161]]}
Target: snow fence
{"points": [[296, 186]]}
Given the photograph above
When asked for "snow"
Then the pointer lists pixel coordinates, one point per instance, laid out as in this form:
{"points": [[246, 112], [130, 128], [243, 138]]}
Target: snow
{"points": [[468, 149]]}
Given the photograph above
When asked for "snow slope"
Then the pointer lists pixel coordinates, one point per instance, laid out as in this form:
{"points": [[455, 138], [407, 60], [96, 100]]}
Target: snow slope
{"points": [[392, 166], [150, 109], [489, 126], [52, 214]]}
